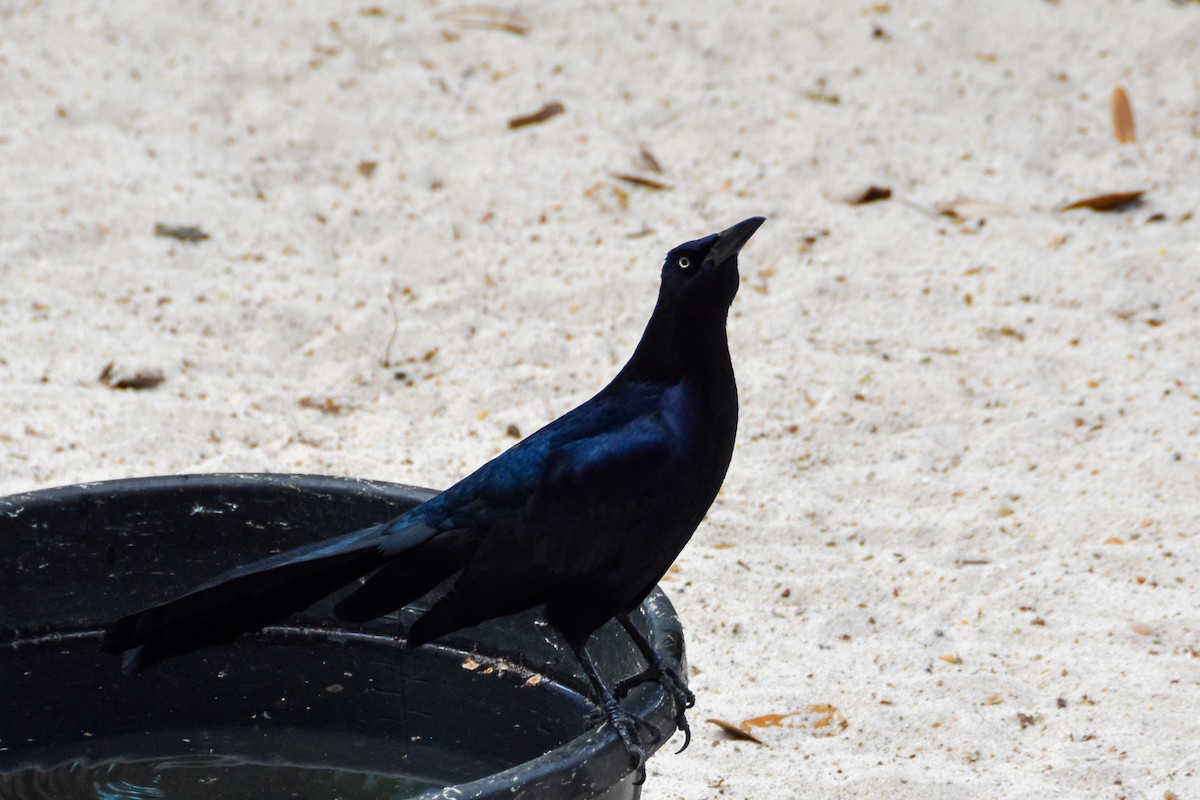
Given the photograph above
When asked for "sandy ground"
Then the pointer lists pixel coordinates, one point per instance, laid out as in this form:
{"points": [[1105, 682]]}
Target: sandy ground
{"points": [[964, 507]]}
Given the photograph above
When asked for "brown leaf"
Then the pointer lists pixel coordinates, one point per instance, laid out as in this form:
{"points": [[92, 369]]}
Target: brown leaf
{"points": [[996, 333], [734, 732], [184, 233], [548, 111], [648, 162], [638, 180], [115, 377], [832, 720], [868, 194], [823, 97], [1122, 117], [333, 406], [1113, 201], [488, 18], [765, 721]]}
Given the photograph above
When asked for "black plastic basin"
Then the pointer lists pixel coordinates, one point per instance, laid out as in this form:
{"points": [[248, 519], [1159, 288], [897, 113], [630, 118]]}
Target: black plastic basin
{"points": [[500, 710]]}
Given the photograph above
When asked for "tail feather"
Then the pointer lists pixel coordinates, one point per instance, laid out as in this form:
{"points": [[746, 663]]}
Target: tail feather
{"points": [[404, 579], [243, 600]]}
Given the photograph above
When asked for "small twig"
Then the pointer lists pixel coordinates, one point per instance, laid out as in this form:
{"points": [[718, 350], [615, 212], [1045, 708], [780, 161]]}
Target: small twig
{"points": [[387, 351]]}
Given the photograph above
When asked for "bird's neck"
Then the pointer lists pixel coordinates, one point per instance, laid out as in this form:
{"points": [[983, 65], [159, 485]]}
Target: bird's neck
{"points": [[694, 353], [675, 348]]}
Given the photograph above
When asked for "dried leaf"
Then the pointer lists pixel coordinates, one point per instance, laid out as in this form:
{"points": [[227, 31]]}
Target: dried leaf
{"points": [[832, 721], [822, 720], [648, 162], [822, 97], [548, 111], [487, 18], [1114, 201], [765, 721], [184, 233], [115, 377], [645, 183], [734, 732], [328, 405], [1122, 117], [996, 333], [868, 194]]}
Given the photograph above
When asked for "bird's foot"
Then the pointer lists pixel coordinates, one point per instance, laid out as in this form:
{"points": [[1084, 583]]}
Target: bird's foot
{"points": [[630, 721], [626, 726], [676, 689]]}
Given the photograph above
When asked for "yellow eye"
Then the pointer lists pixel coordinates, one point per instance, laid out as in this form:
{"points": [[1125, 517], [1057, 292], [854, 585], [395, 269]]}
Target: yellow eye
{"points": [[684, 262]]}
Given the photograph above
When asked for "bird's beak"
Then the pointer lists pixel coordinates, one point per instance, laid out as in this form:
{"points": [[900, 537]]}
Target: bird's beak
{"points": [[730, 241]]}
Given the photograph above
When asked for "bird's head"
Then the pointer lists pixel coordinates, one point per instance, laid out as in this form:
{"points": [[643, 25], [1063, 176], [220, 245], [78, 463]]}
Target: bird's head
{"points": [[686, 332], [701, 276]]}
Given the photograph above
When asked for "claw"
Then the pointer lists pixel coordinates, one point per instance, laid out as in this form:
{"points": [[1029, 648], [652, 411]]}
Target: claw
{"points": [[626, 727], [682, 723], [673, 685], [633, 721], [683, 699], [668, 677]]}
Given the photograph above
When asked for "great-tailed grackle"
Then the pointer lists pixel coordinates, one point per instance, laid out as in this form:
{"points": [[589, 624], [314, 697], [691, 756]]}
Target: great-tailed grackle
{"points": [[583, 517]]}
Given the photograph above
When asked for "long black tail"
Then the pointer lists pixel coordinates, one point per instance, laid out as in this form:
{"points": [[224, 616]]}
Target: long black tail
{"points": [[244, 599]]}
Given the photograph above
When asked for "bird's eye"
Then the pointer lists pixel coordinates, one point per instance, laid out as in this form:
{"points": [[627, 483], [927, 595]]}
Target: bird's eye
{"points": [[684, 262]]}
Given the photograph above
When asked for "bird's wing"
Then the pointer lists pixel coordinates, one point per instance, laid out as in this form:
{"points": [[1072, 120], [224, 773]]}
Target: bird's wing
{"points": [[588, 493], [572, 527]]}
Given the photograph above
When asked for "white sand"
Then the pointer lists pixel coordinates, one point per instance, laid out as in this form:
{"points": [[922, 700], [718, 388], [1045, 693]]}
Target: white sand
{"points": [[893, 434]]}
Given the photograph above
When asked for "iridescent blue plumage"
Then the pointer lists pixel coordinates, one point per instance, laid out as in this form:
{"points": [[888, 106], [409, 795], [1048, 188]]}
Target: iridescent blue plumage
{"points": [[581, 518]]}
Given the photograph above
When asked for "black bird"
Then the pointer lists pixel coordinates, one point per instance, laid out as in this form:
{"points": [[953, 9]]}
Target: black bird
{"points": [[583, 517]]}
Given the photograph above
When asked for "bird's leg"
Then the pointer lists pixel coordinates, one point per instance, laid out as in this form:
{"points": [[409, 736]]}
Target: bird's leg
{"points": [[658, 670], [622, 721]]}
